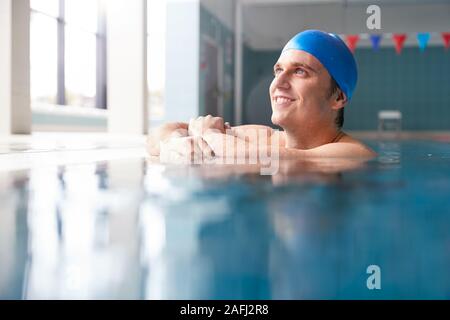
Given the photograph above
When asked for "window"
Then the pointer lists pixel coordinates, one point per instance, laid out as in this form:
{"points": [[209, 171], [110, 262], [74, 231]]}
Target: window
{"points": [[156, 51], [43, 48], [68, 52]]}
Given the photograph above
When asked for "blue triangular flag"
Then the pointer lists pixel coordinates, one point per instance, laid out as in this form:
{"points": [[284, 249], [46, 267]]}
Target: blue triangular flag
{"points": [[375, 39], [423, 38]]}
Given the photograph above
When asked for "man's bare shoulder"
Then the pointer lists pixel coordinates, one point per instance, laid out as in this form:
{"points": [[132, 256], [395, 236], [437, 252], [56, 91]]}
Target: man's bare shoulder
{"points": [[364, 149]]}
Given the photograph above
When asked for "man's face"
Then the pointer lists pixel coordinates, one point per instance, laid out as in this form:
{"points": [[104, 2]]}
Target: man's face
{"points": [[299, 92]]}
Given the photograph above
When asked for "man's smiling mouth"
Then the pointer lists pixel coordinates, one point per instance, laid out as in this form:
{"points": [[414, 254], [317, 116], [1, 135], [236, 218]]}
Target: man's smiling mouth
{"points": [[283, 100]]}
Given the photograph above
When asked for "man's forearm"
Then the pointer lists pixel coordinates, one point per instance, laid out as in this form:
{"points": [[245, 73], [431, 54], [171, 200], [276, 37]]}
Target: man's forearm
{"points": [[230, 146], [241, 142]]}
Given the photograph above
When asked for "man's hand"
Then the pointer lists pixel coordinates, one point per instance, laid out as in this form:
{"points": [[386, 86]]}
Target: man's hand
{"points": [[197, 127], [164, 132], [185, 150]]}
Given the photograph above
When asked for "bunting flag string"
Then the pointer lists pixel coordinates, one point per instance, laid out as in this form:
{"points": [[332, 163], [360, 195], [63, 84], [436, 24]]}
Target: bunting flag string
{"points": [[398, 39]]}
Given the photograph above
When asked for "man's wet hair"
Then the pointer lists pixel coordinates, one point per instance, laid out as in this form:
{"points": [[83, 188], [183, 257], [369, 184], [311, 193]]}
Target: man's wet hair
{"points": [[334, 88]]}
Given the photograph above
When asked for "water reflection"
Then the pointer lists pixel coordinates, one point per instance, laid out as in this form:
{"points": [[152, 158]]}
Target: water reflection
{"points": [[389, 153], [81, 239], [13, 234]]}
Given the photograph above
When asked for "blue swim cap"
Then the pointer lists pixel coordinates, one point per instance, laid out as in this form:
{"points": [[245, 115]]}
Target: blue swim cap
{"points": [[332, 52]]}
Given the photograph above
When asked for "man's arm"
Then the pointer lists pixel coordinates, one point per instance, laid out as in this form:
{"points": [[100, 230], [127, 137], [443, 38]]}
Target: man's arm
{"points": [[251, 143], [227, 145], [250, 131], [249, 137], [164, 132], [331, 150]]}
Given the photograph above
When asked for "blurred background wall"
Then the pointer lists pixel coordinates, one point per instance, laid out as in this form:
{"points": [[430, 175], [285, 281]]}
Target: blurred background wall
{"points": [[414, 82]]}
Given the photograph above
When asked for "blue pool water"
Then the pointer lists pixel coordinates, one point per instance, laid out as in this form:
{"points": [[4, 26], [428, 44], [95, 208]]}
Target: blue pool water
{"points": [[135, 229]]}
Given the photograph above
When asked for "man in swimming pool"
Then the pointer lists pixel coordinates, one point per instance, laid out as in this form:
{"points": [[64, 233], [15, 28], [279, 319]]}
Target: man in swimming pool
{"points": [[314, 78]]}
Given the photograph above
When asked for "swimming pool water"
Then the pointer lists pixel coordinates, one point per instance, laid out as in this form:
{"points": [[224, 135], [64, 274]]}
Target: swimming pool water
{"points": [[135, 229]]}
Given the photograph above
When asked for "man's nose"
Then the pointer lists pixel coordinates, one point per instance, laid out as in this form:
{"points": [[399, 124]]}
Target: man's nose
{"points": [[282, 80]]}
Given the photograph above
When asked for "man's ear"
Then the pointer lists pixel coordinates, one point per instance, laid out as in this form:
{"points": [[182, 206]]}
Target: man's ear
{"points": [[339, 100]]}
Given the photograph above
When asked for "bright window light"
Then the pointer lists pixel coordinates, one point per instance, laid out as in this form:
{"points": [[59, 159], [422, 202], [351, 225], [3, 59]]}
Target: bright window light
{"points": [[43, 73], [156, 50]]}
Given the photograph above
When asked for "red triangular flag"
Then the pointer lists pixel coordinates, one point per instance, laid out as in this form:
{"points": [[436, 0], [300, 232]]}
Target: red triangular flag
{"points": [[352, 40], [446, 39], [399, 40]]}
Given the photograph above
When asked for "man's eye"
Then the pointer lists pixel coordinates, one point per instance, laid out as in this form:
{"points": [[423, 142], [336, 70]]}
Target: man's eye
{"points": [[277, 71], [300, 71]]}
